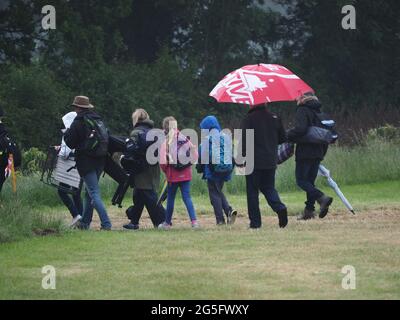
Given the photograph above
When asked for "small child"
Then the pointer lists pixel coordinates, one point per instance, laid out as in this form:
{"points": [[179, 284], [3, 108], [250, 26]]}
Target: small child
{"points": [[73, 204], [178, 174], [218, 171]]}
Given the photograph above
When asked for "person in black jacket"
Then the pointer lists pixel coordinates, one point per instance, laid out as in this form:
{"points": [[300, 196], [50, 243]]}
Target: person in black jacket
{"points": [[309, 156], [268, 134], [3, 155], [89, 166]]}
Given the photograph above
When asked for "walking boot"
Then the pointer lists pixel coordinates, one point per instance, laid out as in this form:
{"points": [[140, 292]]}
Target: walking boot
{"points": [[283, 218], [325, 203], [306, 215]]}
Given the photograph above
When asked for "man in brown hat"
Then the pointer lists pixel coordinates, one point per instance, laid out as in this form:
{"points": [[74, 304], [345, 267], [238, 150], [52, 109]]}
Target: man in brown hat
{"points": [[89, 137]]}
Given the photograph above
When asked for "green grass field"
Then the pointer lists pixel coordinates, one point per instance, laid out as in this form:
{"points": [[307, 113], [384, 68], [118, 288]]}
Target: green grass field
{"points": [[303, 261]]}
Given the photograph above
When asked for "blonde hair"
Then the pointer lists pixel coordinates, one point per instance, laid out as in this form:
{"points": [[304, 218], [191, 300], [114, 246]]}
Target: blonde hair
{"points": [[139, 115], [306, 97], [169, 123]]}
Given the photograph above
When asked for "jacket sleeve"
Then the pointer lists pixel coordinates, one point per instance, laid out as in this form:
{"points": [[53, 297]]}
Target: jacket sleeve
{"points": [[301, 125], [282, 137], [242, 142], [65, 152], [71, 136]]}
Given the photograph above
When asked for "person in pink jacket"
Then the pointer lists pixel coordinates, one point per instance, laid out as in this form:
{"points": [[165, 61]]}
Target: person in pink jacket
{"points": [[175, 154]]}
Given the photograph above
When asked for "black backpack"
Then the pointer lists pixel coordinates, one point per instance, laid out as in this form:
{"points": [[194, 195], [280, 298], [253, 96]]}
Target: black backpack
{"points": [[134, 158], [7, 147], [96, 144], [323, 132]]}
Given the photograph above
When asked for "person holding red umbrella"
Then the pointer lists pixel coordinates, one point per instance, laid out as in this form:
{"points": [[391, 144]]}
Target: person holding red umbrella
{"points": [[255, 85], [268, 134]]}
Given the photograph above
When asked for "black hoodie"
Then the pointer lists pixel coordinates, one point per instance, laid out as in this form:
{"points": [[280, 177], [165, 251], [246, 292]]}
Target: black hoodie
{"points": [[75, 138], [268, 134], [3, 156], [305, 118]]}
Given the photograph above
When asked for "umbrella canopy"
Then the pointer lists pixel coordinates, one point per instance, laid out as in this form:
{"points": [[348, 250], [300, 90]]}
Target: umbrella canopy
{"points": [[256, 84], [326, 173]]}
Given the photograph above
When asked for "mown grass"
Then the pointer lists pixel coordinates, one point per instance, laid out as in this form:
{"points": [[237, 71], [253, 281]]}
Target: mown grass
{"points": [[302, 262], [375, 161]]}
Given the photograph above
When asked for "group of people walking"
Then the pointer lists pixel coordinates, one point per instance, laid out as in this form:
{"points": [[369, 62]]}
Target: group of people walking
{"points": [[85, 139]]}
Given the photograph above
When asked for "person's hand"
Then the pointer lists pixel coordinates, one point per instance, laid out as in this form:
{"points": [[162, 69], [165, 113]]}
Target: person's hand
{"points": [[57, 148]]}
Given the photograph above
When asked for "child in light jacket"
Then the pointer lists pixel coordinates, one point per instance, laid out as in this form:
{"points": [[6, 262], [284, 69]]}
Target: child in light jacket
{"points": [[74, 203], [177, 172]]}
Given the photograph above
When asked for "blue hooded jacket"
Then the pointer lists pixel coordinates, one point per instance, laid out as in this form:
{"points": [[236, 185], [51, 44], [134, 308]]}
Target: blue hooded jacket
{"points": [[210, 123]]}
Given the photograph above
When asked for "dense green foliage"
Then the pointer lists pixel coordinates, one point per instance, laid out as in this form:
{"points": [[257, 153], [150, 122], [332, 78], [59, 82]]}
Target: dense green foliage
{"points": [[167, 55]]}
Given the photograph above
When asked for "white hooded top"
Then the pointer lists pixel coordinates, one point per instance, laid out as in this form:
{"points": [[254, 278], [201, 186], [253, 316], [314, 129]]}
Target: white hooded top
{"points": [[65, 151]]}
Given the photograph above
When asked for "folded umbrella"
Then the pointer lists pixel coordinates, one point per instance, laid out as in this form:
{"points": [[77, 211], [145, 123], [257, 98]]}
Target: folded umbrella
{"points": [[163, 193], [326, 173], [256, 84]]}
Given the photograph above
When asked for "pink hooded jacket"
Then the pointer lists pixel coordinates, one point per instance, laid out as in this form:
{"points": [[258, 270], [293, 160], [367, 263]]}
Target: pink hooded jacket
{"points": [[173, 175]]}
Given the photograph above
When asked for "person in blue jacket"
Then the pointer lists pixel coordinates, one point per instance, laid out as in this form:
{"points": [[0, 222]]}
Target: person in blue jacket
{"points": [[216, 174]]}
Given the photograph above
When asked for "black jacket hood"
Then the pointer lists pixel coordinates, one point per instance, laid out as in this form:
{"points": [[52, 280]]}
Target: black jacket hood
{"points": [[145, 123], [313, 105]]}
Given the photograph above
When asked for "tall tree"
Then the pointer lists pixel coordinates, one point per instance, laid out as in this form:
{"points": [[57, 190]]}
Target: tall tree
{"points": [[348, 66], [17, 31]]}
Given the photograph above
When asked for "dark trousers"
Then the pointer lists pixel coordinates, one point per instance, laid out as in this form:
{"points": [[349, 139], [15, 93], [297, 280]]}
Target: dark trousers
{"points": [[306, 174], [148, 199], [73, 203], [218, 200], [264, 181]]}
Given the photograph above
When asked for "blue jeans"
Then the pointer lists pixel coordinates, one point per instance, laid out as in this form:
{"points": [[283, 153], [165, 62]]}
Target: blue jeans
{"points": [[306, 174], [93, 201], [185, 190], [264, 181], [74, 203]]}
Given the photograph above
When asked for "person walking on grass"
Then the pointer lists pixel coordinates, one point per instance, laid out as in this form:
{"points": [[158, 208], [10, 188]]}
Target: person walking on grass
{"points": [[89, 137], [309, 156], [268, 134], [146, 181], [7, 147], [218, 148], [3, 153], [175, 155], [74, 203]]}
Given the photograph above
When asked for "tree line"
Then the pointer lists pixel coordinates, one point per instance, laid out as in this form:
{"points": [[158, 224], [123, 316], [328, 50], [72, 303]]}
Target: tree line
{"points": [[167, 55]]}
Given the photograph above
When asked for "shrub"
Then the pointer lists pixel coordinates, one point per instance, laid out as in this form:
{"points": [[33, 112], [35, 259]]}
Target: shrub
{"points": [[387, 133], [32, 161]]}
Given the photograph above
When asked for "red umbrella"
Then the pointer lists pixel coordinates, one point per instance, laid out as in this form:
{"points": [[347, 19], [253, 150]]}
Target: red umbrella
{"points": [[256, 84]]}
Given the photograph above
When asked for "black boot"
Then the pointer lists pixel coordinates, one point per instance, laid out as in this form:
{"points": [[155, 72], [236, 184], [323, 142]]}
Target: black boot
{"points": [[283, 218], [325, 203], [306, 215]]}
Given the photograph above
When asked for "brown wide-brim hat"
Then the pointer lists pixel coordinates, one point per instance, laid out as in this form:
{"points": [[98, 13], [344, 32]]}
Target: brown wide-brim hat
{"points": [[82, 102]]}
